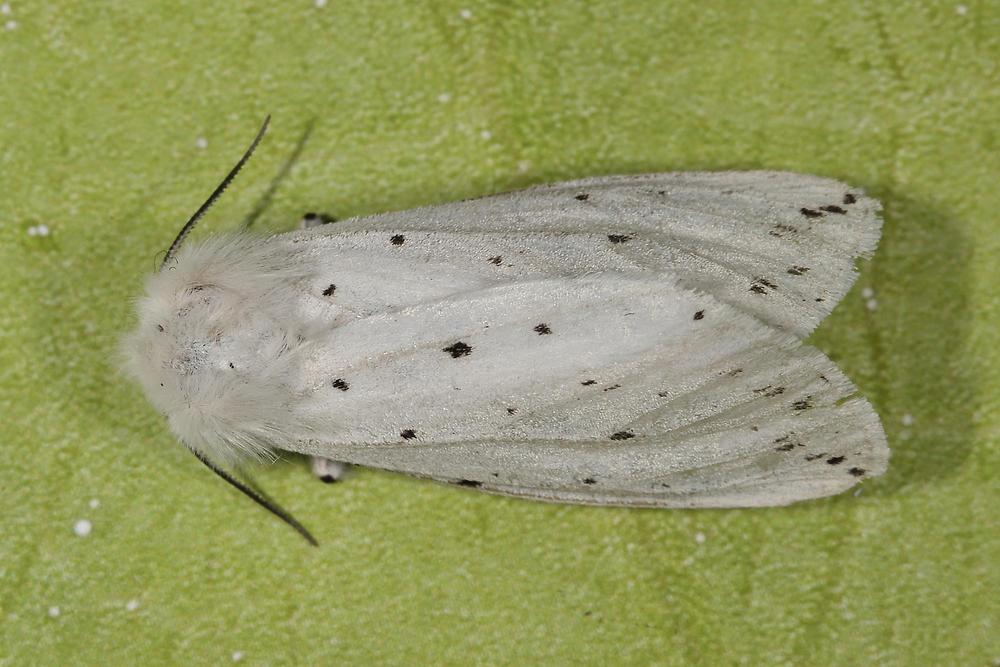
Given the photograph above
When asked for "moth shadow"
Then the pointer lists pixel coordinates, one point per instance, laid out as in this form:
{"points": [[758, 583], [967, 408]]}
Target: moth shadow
{"points": [[917, 374], [264, 201]]}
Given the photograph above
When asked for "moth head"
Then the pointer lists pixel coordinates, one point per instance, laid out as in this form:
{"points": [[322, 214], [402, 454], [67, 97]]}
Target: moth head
{"points": [[191, 308], [207, 349], [209, 358]]}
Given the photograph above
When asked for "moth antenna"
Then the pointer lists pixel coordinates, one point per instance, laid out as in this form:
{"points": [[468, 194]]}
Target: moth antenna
{"points": [[189, 225], [258, 497]]}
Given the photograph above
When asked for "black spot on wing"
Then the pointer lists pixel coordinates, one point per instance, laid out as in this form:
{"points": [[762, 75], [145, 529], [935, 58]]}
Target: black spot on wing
{"points": [[159, 327], [496, 259], [780, 230], [542, 329], [471, 483], [407, 434], [762, 286], [582, 197], [770, 391], [798, 270], [810, 213], [622, 435], [330, 290], [341, 384], [835, 460], [587, 383], [803, 404], [619, 238], [397, 239], [832, 208], [849, 199], [857, 472], [612, 387], [786, 443], [457, 350], [699, 315], [590, 480], [511, 411]]}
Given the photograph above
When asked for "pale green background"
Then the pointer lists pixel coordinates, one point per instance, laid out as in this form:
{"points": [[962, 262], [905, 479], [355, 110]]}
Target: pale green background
{"points": [[101, 106]]}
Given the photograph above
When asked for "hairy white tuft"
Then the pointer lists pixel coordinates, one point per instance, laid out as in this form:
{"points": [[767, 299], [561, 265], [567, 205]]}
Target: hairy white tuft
{"points": [[216, 348]]}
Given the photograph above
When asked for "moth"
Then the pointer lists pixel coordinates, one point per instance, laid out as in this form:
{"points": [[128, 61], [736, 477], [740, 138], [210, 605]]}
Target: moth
{"points": [[618, 340]]}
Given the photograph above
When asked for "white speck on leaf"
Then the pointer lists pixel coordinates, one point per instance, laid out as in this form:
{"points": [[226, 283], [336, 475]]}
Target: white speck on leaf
{"points": [[907, 419], [54, 612], [871, 304], [867, 293], [82, 527], [444, 98]]}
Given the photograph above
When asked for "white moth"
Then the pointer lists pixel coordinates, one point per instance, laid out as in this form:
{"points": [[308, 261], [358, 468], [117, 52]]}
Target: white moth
{"points": [[620, 340]]}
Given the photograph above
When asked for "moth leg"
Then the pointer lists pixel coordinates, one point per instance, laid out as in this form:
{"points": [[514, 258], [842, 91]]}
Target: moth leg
{"points": [[328, 471], [310, 220]]}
